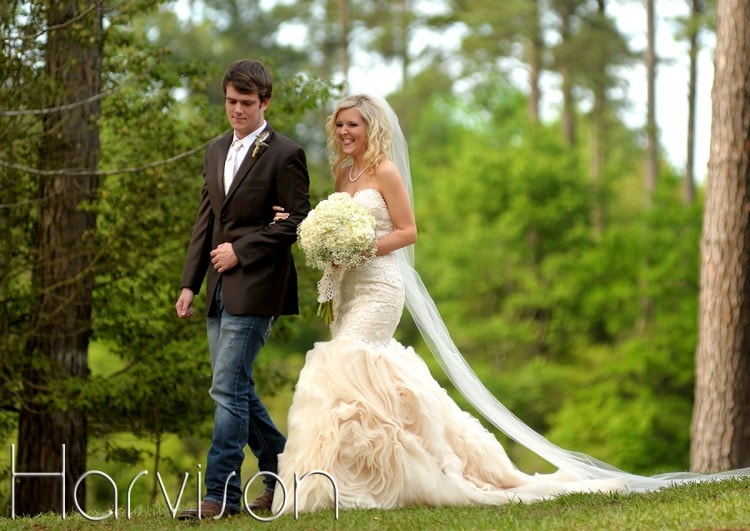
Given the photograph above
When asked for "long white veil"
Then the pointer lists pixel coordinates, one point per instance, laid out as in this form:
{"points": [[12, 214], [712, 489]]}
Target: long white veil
{"points": [[430, 324]]}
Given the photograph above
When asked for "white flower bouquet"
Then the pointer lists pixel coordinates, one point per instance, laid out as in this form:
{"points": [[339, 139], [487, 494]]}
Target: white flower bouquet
{"points": [[338, 233]]}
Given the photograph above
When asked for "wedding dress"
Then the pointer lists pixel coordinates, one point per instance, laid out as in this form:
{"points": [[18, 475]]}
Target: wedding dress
{"points": [[367, 411], [368, 414]]}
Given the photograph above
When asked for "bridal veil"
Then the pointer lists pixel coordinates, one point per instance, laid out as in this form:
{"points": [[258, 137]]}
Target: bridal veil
{"points": [[435, 334]]}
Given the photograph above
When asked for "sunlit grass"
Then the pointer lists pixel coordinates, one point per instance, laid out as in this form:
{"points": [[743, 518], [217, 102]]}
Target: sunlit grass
{"points": [[716, 505]]}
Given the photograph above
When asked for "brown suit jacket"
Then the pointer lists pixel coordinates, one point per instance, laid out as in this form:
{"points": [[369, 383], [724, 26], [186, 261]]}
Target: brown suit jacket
{"points": [[264, 283]]}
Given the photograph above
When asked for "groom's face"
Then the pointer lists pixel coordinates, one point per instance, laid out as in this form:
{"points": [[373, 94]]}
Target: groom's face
{"points": [[245, 112]]}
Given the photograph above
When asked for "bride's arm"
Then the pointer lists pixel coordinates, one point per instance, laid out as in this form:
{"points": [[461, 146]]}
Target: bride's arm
{"points": [[399, 208]]}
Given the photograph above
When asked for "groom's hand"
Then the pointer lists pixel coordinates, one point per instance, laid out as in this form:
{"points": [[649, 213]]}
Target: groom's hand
{"points": [[223, 258], [184, 303], [279, 214]]}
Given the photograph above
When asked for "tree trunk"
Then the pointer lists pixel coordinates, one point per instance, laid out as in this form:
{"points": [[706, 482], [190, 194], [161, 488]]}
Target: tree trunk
{"points": [[688, 190], [62, 275], [652, 162], [598, 142], [536, 50], [721, 415], [568, 119], [402, 31], [157, 465], [345, 23]]}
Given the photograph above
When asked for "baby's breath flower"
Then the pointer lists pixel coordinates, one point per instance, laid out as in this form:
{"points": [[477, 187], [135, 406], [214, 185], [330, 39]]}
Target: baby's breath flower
{"points": [[337, 232]]}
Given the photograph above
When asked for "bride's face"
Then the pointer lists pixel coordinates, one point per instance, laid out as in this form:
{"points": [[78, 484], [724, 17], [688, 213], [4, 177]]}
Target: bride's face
{"points": [[351, 131]]}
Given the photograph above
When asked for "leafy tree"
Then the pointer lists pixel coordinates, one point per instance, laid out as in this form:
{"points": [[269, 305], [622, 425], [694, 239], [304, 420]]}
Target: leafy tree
{"points": [[118, 274], [540, 307], [148, 215], [335, 31], [61, 280], [534, 239], [630, 397], [523, 203], [502, 31], [593, 55], [567, 23]]}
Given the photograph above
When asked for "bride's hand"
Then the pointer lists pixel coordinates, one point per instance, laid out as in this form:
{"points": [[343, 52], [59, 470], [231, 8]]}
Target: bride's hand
{"points": [[279, 215]]}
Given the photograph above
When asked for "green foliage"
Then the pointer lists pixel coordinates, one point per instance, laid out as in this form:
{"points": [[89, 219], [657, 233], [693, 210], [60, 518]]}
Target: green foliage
{"points": [[588, 337], [632, 403], [623, 412], [152, 372], [22, 87], [145, 212], [593, 51], [145, 218], [523, 206]]}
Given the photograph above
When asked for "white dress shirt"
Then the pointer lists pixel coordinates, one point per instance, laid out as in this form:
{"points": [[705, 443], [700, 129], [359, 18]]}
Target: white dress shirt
{"points": [[237, 153]]}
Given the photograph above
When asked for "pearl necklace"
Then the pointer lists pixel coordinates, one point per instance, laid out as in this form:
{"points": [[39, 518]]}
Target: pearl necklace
{"points": [[355, 179]]}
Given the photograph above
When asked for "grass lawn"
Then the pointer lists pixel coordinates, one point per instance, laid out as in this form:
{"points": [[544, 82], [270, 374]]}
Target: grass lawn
{"points": [[714, 505]]}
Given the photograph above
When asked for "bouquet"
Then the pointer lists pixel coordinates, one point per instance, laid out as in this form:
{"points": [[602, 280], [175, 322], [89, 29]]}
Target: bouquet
{"points": [[336, 234]]}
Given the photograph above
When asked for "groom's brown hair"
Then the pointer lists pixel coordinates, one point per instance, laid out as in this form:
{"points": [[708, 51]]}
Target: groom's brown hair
{"points": [[249, 76]]}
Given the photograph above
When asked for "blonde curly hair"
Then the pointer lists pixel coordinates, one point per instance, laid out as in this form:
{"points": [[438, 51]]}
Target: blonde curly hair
{"points": [[378, 133]]}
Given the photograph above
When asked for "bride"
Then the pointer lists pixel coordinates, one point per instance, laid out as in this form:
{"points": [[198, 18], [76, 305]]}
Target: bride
{"points": [[366, 411]]}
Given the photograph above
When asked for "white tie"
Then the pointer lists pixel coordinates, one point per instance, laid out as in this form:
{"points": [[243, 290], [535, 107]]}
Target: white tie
{"points": [[230, 166]]}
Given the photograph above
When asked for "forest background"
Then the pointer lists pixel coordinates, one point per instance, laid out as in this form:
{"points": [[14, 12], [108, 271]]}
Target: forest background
{"points": [[563, 252]]}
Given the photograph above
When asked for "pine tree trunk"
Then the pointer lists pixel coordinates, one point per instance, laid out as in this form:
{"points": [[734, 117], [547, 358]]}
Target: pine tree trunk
{"points": [[62, 275], [568, 118], [535, 53], [652, 163], [721, 416], [688, 189], [402, 32], [598, 141], [345, 22]]}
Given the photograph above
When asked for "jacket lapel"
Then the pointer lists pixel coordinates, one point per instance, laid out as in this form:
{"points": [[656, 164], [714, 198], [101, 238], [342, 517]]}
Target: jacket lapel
{"points": [[247, 164], [216, 182]]}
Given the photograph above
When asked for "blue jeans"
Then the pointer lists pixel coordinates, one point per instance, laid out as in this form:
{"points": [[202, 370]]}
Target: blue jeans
{"points": [[240, 417]]}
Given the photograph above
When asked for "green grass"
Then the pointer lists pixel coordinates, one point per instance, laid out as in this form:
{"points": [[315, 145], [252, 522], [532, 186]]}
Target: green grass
{"points": [[715, 505]]}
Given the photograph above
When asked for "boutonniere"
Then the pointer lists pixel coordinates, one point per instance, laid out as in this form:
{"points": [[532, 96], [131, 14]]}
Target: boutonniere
{"points": [[260, 143]]}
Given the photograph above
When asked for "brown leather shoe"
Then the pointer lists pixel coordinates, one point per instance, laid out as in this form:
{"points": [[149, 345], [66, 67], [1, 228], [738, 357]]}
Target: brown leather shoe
{"points": [[209, 509], [262, 502]]}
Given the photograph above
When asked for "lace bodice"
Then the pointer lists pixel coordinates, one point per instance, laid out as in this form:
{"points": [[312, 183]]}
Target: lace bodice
{"points": [[370, 298], [375, 205]]}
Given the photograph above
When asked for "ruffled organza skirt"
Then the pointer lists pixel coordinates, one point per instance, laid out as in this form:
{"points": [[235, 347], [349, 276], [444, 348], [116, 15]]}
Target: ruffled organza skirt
{"points": [[374, 419]]}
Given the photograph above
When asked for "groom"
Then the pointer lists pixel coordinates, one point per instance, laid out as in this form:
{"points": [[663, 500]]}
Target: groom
{"points": [[251, 277]]}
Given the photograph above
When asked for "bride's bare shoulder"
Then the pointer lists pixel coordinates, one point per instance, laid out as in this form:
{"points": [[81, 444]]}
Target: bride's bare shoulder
{"points": [[387, 173], [386, 166]]}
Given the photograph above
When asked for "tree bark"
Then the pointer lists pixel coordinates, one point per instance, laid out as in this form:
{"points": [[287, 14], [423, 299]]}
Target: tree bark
{"points": [[598, 142], [568, 118], [402, 32], [652, 162], [696, 10], [721, 415], [535, 52], [345, 22], [61, 275]]}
